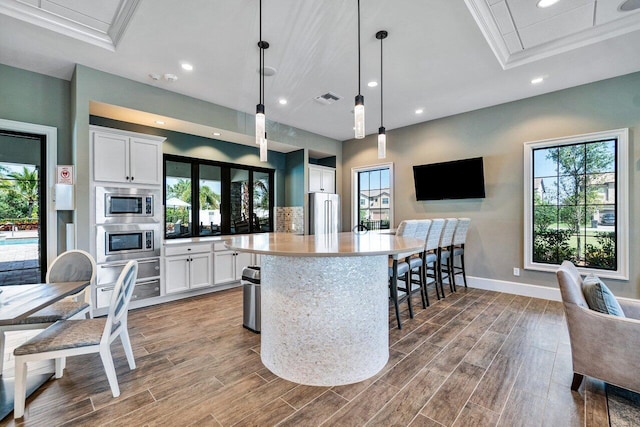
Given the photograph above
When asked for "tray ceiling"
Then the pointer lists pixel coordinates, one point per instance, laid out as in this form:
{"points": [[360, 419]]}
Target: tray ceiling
{"points": [[519, 32], [101, 23]]}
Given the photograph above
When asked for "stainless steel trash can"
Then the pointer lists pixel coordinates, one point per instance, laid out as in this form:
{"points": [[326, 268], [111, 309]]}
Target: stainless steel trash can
{"points": [[251, 298]]}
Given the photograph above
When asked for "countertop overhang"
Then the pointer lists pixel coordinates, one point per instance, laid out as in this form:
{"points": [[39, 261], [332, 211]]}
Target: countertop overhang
{"points": [[328, 245]]}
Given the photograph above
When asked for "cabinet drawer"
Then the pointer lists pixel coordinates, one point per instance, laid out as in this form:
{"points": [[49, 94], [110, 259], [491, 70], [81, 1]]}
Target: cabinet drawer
{"points": [[147, 289], [187, 249], [142, 290], [108, 273]]}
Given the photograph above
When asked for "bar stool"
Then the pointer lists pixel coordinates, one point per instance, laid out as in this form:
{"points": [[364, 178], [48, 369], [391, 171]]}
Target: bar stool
{"points": [[459, 237], [431, 270], [445, 250], [417, 263], [399, 267]]}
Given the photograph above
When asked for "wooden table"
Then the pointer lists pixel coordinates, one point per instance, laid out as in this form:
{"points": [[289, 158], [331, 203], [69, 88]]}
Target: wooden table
{"points": [[18, 302], [324, 300]]}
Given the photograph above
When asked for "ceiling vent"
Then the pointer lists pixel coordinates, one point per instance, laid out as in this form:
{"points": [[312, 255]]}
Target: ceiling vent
{"points": [[328, 98]]}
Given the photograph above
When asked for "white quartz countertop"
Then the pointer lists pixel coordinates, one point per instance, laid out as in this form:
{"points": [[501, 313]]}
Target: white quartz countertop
{"points": [[330, 245]]}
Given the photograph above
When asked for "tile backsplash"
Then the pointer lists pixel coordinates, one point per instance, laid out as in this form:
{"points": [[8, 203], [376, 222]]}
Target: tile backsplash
{"points": [[290, 219]]}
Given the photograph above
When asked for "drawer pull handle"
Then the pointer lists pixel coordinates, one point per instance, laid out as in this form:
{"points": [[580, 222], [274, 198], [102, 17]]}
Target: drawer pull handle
{"points": [[146, 283], [149, 261]]}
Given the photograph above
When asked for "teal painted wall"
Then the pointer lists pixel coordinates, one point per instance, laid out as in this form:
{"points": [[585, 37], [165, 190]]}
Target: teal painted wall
{"points": [[35, 98], [294, 179]]}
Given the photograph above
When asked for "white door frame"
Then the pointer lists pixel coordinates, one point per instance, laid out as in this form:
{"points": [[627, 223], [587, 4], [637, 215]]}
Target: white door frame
{"points": [[51, 216]]}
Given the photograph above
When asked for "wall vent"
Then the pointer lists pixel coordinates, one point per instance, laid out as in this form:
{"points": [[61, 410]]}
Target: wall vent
{"points": [[328, 98]]}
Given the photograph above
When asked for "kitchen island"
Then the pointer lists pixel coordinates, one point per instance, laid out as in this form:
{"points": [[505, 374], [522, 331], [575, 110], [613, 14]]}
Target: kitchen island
{"points": [[325, 303]]}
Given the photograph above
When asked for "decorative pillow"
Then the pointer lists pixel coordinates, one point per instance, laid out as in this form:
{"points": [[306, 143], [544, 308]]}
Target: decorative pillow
{"points": [[599, 297]]}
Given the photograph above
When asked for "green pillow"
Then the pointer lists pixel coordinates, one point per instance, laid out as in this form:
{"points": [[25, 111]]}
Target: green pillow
{"points": [[599, 297]]}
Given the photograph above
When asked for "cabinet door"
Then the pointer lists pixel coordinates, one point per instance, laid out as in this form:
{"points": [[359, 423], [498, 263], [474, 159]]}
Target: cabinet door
{"points": [[243, 259], [328, 181], [177, 273], [110, 157], [200, 268], [224, 270], [145, 160], [315, 180]]}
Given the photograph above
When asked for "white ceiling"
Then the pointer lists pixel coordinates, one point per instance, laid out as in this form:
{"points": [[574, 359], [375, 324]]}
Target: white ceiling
{"points": [[445, 57]]}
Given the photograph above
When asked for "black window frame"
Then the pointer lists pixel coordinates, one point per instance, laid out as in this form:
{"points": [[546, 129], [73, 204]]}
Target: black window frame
{"points": [[225, 196]]}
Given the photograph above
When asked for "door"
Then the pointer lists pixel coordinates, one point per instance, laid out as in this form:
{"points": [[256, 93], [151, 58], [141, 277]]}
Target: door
{"points": [[328, 181], [177, 273], [111, 157], [22, 208], [200, 268], [315, 180], [224, 270], [144, 158], [243, 259]]}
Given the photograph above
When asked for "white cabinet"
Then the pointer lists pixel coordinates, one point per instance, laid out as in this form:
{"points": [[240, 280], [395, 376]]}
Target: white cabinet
{"points": [[126, 157], [322, 179], [188, 267], [229, 264]]}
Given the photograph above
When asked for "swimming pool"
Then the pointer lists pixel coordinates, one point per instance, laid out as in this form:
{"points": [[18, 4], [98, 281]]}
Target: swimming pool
{"points": [[4, 242]]}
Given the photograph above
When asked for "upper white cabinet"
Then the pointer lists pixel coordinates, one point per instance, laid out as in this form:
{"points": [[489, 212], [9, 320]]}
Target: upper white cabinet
{"points": [[322, 179], [126, 157]]}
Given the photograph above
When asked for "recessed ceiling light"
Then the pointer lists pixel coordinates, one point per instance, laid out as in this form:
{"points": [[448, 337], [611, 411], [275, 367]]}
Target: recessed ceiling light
{"points": [[282, 101], [372, 84], [537, 80], [186, 66], [159, 122], [419, 111], [546, 3], [217, 134]]}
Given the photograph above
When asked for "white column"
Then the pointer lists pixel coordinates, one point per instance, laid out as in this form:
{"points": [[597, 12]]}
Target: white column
{"points": [[325, 320]]}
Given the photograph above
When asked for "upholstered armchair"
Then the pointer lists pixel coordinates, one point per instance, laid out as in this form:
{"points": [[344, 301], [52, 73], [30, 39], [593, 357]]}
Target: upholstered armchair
{"points": [[603, 346]]}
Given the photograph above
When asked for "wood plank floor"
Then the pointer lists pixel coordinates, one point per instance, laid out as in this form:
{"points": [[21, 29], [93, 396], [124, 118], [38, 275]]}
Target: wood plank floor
{"points": [[476, 358]]}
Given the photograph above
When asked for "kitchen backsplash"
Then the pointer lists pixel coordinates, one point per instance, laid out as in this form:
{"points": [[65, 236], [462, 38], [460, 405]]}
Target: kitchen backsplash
{"points": [[290, 219]]}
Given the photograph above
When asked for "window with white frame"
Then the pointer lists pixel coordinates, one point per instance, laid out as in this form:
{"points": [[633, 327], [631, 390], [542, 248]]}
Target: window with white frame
{"points": [[576, 199], [371, 185]]}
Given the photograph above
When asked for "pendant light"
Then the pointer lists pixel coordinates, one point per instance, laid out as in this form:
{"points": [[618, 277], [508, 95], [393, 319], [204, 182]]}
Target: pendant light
{"points": [[382, 136], [261, 121], [358, 111]]}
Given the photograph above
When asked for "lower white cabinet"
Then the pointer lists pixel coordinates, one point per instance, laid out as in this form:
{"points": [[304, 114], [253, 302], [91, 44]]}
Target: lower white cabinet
{"points": [[188, 267], [229, 264]]}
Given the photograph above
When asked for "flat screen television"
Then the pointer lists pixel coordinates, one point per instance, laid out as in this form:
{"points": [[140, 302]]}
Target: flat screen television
{"points": [[459, 179]]}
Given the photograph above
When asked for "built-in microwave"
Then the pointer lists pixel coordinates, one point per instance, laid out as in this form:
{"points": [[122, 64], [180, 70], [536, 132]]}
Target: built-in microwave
{"points": [[127, 241], [122, 205]]}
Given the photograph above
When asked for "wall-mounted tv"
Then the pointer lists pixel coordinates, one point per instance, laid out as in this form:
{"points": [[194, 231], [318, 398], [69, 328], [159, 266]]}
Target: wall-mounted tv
{"points": [[459, 179]]}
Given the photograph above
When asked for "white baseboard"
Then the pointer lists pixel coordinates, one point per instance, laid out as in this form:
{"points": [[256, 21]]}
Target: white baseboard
{"points": [[516, 288]]}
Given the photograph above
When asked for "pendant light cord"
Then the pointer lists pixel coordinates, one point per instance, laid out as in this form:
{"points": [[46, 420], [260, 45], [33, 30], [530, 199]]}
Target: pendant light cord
{"points": [[359, 73], [261, 58], [381, 88]]}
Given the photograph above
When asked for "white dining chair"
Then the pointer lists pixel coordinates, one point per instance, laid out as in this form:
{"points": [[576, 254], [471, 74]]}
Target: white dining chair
{"points": [[75, 337], [70, 266]]}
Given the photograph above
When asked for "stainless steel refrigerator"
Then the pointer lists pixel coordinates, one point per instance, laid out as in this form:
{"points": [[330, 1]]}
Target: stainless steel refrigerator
{"points": [[324, 213]]}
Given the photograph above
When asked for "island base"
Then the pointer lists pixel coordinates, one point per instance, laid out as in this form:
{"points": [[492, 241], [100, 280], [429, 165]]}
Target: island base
{"points": [[325, 320]]}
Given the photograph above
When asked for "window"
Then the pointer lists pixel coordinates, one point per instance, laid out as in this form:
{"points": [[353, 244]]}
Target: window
{"points": [[218, 200], [576, 203], [372, 196]]}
